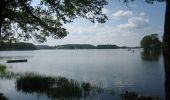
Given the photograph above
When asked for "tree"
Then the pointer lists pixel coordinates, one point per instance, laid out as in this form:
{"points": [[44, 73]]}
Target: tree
{"points": [[166, 36], [150, 42], [166, 44], [20, 14], [19, 19]]}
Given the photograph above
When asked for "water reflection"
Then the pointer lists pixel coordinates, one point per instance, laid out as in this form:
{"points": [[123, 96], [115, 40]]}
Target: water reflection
{"points": [[151, 55]]}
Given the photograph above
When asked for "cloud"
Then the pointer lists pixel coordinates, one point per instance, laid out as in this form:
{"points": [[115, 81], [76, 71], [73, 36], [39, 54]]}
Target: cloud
{"points": [[98, 34], [135, 23], [124, 33], [97, 28], [122, 13]]}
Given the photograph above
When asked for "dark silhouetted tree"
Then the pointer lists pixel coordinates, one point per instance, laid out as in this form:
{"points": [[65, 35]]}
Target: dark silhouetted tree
{"points": [[150, 42]]}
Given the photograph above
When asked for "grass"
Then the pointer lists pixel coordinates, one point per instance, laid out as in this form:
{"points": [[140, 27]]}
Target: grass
{"points": [[55, 87], [2, 68], [5, 74]]}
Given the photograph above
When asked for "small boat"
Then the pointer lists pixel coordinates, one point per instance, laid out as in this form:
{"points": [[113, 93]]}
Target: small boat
{"points": [[16, 61]]}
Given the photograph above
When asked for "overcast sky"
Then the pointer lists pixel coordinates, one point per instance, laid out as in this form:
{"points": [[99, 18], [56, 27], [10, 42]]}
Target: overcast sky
{"points": [[126, 26]]}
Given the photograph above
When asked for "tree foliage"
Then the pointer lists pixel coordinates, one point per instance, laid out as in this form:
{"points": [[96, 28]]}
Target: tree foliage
{"points": [[88, 46], [76, 46], [22, 19], [148, 1], [150, 42]]}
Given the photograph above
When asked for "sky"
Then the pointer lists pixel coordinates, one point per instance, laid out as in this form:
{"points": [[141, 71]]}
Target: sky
{"points": [[126, 25]]}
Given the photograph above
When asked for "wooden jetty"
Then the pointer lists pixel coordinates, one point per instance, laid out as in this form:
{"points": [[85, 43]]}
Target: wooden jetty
{"points": [[16, 61]]}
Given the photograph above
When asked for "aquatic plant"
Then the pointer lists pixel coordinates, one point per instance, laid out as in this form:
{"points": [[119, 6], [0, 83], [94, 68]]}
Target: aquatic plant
{"points": [[54, 87], [2, 68], [136, 96], [5, 74]]}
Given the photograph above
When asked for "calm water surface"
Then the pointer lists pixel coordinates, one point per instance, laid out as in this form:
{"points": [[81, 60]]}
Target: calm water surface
{"points": [[117, 70]]}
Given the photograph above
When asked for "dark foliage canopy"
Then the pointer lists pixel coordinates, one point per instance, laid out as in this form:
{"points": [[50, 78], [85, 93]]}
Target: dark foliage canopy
{"points": [[148, 1], [150, 42], [22, 19]]}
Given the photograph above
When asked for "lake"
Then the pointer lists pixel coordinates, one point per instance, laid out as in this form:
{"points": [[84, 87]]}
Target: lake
{"points": [[112, 69]]}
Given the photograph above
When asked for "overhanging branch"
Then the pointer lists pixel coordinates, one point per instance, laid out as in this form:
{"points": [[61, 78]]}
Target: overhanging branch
{"points": [[29, 11]]}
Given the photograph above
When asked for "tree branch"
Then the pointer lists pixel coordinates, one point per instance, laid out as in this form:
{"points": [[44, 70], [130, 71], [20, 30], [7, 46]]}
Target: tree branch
{"points": [[29, 11]]}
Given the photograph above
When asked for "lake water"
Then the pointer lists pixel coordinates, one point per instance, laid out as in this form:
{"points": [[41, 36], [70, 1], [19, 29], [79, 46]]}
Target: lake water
{"points": [[112, 69]]}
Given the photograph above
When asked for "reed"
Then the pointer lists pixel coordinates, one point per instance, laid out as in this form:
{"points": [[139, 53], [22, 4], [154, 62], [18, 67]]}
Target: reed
{"points": [[55, 87]]}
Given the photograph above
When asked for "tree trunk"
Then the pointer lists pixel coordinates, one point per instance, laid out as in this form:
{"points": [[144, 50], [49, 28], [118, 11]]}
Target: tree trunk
{"points": [[166, 50]]}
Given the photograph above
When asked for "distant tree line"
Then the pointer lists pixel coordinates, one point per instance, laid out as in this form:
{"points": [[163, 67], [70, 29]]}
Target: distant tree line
{"points": [[76, 46], [17, 46], [107, 47], [45, 47], [30, 46], [89, 46]]}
